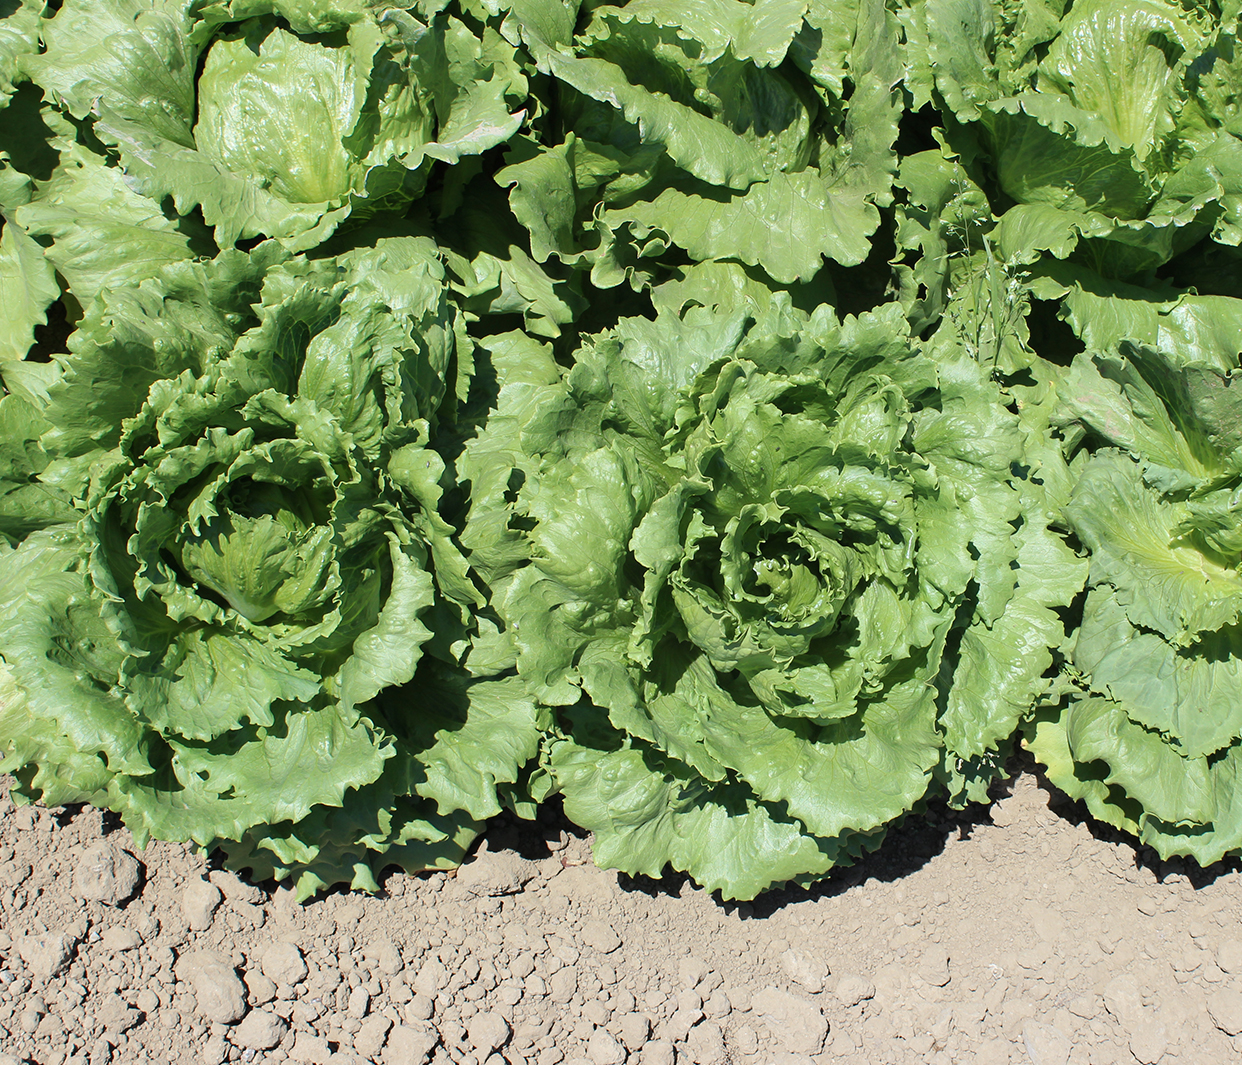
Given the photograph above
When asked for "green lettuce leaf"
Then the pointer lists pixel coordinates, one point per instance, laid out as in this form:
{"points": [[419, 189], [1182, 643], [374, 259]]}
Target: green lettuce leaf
{"points": [[19, 42]]}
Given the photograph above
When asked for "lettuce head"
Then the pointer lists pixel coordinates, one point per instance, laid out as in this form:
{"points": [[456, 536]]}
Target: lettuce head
{"points": [[261, 616], [278, 120], [771, 574], [1117, 182]]}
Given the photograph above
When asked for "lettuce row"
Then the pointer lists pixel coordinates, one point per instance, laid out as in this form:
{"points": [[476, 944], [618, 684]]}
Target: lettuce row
{"points": [[1118, 212], [709, 412]]}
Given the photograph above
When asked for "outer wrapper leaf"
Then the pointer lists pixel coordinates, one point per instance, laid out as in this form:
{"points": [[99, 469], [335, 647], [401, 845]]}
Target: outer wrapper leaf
{"points": [[91, 214], [19, 40]]}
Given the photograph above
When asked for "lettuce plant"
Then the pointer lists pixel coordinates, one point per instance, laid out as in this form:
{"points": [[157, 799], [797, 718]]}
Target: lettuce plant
{"points": [[772, 571], [1150, 735], [1116, 183], [720, 129], [261, 613], [293, 124]]}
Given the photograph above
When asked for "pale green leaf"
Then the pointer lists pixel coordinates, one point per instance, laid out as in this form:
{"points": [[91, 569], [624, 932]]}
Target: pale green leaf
{"points": [[822, 46], [132, 60], [104, 235], [64, 658], [529, 414], [1188, 694], [471, 736], [1048, 151], [849, 776], [1110, 396], [250, 83], [211, 682], [252, 777], [388, 653], [1002, 667], [543, 199], [1166, 785], [698, 144], [961, 46], [760, 31], [647, 813], [19, 42], [27, 287], [1165, 584], [136, 335], [1112, 58], [787, 224]]}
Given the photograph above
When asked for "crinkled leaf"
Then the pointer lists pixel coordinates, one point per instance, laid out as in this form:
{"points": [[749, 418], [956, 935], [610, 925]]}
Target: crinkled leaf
{"points": [[104, 235], [136, 335], [787, 224], [1002, 667], [472, 735], [472, 82], [647, 812], [1105, 45], [27, 502], [132, 60], [543, 199], [1166, 784], [211, 682], [961, 46], [27, 287], [699, 145], [253, 776], [1112, 397], [1164, 583], [388, 653], [1187, 694], [761, 31], [531, 412], [1050, 152], [19, 42], [64, 658]]}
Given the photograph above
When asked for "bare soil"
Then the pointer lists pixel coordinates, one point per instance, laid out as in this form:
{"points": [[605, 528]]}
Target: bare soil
{"points": [[1020, 933]]}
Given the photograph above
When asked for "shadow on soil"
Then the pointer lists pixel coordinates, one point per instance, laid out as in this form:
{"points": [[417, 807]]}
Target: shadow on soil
{"points": [[1139, 854], [907, 847]]}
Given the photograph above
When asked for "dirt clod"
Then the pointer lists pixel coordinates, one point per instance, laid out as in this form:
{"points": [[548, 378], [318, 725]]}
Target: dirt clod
{"points": [[106, 873], [219, 994], [199, 901], [851, 990], [409, 1045], [1046, 1044], [600, 936], [1225, 1009], [796, 1023], [282, 963], [808, 972], [259, 1030]]}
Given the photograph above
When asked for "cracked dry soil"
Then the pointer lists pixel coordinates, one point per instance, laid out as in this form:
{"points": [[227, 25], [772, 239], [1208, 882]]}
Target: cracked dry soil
{"points": [[1021, 933]]}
